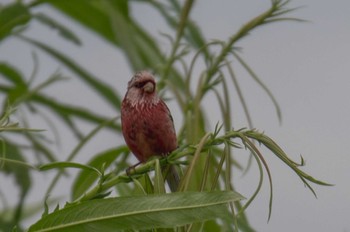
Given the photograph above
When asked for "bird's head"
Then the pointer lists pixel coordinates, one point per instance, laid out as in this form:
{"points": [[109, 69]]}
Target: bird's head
{"points": [[142, 89]]}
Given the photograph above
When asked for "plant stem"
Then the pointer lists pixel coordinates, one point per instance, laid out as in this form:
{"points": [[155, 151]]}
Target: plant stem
{"points": [[179, 33]]}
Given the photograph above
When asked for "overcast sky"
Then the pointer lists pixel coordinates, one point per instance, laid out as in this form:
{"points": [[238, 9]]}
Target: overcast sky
{"points": [[305, 65]]}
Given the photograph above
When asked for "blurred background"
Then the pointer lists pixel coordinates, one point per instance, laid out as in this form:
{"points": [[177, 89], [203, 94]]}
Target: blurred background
{"points": [[306, 66]]}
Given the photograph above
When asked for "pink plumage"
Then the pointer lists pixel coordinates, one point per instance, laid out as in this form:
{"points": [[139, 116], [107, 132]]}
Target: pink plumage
{"points": [[147, 124]]}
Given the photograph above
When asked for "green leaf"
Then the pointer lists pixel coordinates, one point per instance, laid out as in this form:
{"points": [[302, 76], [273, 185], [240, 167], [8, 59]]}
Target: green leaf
{"points": [[101, 88], [65, 111], [63, 30], [82, 10], [143, 185], [11, 74], [60, 165], [192, 33], [15, 162], [13, 158], [158, 179], [15, 77], [86, 178], [76, 150], [27, 94], [139, 212], [40, 146], [261, 84], [12, 16], [21, 175], [112, 22]]}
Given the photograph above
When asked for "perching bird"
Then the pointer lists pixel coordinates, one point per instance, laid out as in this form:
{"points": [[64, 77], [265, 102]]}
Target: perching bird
{"points": [[147, 124]]}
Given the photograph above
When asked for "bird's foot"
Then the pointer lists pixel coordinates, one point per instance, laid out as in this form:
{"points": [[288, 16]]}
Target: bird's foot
{"points": [[131, 169]]}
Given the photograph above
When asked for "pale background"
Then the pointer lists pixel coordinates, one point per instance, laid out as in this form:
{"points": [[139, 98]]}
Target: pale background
{"points": [[306, 66]]}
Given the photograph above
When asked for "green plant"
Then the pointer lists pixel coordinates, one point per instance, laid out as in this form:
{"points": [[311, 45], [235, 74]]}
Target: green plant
{"points": [[206, 157]]}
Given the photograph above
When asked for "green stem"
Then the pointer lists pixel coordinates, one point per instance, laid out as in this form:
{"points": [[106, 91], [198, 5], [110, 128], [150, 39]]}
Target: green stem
{"points": [[239, 35], [206, 143], [180, 31]]}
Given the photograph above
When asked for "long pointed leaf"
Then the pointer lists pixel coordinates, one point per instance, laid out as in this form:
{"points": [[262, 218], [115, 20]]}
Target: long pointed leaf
{"points": [[112, 22], [64, 110], [61, 165], [63, 30], [12, 16], [103, 89], [85, 178], [11, 74], [138, 212]]}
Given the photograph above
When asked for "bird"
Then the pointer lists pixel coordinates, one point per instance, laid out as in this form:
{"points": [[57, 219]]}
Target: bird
{"points": [[147, 125]]}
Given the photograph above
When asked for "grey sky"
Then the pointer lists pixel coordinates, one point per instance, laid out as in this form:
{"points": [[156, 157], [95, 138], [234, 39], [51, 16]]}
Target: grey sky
{"points": [[305, 65]]}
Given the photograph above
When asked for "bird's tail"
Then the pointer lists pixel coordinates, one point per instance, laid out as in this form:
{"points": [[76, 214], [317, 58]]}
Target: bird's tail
{"points": [[172, 177]]}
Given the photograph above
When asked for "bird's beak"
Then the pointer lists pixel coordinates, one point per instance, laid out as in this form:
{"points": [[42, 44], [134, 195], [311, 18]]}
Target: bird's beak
{"points": [[149, 87]]}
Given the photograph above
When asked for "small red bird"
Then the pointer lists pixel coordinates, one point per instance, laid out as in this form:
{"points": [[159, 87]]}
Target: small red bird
{"points": [[147, 124]]}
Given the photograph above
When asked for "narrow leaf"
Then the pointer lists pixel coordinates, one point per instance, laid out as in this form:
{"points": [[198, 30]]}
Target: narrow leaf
{"points": [[76, 150], [63, 110], [63, 30], [158, 179], [86, 178], [11, 74], [61, 165], [12, 16], [262, 85], [101, 88]]}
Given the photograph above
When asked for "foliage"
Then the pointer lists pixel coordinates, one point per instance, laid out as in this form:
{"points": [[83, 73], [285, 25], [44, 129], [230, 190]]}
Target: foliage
{"points": [[206, 199]]}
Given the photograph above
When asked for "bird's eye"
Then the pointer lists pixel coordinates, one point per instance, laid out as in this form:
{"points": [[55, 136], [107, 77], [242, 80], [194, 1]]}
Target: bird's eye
{"points": [[139, 84]]}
